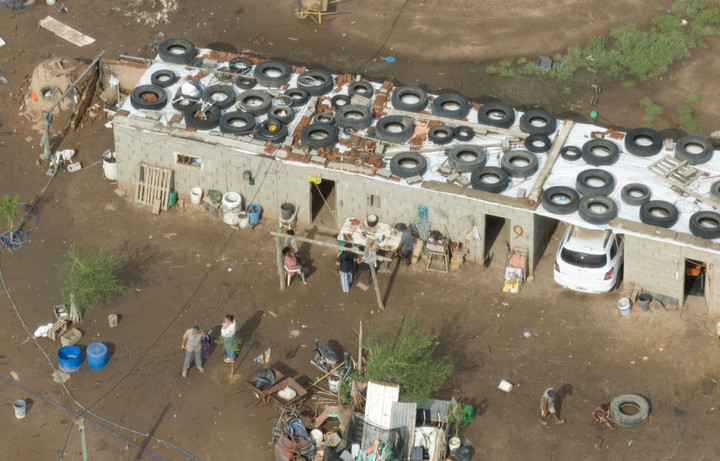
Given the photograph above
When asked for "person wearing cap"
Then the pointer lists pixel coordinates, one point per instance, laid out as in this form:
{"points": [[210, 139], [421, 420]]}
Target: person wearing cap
{"points": [[192, 344], [547, 405], [406, 245]]}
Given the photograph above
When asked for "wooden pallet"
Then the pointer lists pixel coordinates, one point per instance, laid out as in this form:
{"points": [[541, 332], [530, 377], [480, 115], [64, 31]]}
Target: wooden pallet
{"points": [[676, 171], [153, 185]]}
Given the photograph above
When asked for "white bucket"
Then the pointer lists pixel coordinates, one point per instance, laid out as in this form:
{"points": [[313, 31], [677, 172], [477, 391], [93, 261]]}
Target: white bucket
{"points": [[624, 306], [196, 195], [243, 219], [20, 408], [505, 386], [232, 200], [453, 444], [317, 436], [109, 164], [231, 217], [50, 2], [334, 382]]}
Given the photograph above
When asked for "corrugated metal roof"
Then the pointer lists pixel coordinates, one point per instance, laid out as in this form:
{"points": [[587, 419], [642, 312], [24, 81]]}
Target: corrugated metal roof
{"points": [[403, 418]]}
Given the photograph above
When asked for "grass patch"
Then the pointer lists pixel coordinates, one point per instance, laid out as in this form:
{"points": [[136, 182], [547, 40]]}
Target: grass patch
{"points": [[686, 118], [627, 84], [693, 98], [522, 61], [570, 106], [652, 110]]}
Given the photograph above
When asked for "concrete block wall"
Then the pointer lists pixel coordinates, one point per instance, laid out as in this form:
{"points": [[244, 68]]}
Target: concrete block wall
{"points": [[659, 267]]}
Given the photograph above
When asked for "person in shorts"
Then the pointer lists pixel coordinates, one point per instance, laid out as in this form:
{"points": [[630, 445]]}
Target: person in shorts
{"points": [[547, 405]]}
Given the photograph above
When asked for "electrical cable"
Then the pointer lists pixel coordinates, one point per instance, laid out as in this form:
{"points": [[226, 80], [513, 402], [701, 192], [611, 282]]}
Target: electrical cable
{"points": [[360, 67]]}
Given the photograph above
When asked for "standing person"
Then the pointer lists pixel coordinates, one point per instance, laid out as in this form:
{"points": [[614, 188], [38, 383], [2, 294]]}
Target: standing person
{"points": [[192, 344], [547, 405], [346, 265], [406, 245], [227, 332], [602, 415]]}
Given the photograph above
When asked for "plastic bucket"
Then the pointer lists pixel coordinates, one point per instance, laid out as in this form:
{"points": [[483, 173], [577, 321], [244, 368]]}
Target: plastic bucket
{"points": [[286, 211], [453, 444], [196, 195], [109, 165], [96, 355], [505, 386], [113, 320], [334, 382], [232, 200], [243, 219], [50, 2], [317, 436], [254, 210], [20, 409], [230, 217], [624, 306], [69, 358], [644, 301]]}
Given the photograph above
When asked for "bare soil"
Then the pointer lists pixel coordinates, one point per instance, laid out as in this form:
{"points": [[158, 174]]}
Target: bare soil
{"points": [[184, 268]]}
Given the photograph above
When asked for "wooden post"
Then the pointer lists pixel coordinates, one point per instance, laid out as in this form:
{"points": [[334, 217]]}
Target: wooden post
{"points": [[278, 256], [381, 306], [359, 362]]}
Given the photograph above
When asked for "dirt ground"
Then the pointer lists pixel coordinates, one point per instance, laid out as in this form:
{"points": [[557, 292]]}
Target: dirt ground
{"points": [[184, 268]]}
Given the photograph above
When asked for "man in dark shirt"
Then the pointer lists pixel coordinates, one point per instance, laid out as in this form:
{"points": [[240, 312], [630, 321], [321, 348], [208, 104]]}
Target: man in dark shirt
{"points": [[406, 244]]}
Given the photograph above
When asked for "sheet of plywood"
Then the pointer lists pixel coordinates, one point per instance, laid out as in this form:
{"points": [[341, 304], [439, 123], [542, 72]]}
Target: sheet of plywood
{"points": [[378, 407], [68, 33]]}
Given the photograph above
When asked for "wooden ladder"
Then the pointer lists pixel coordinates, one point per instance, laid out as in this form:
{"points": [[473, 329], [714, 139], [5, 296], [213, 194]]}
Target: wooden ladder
{"points": [[674, 170]]}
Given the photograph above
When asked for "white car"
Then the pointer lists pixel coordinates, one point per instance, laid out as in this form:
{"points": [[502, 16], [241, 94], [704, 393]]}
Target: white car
{"points": [[589, 260]]}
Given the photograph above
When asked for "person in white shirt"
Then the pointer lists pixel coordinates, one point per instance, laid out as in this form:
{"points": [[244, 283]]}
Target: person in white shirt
{"points": [[228, 332]]}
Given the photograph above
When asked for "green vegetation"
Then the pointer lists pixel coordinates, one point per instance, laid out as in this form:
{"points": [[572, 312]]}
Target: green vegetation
{"points": [[458, 415], [628, 84], [9, 209], [686, 118], [406, 358], [570, 106], [652, 110], [693, 98], [235, 348], [87, 281]]}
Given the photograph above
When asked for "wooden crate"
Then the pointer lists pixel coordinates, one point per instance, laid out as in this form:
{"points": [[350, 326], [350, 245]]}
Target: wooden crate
{"points": [[72, 336]]}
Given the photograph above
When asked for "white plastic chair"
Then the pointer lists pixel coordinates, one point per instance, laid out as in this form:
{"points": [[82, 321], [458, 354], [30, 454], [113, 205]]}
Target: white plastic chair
{"points": [[292, 273]]}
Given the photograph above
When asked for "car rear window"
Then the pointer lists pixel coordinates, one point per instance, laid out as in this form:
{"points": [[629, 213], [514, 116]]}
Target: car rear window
{"points": [[584, 260]]}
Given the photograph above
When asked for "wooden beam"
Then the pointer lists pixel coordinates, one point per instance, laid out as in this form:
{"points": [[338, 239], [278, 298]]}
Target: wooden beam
{"points": [[86, 99], [549, 162], [479, 128], [278, 258], [334, 246], [441, 186]]}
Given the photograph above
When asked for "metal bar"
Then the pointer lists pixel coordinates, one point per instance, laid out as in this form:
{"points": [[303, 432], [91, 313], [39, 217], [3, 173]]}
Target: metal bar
{"points": [[328, 245]]}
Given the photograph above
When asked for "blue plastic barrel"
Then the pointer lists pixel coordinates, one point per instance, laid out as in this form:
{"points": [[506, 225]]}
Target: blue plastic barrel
{"points": [[96, 355], [69, 358], [253, 211]]}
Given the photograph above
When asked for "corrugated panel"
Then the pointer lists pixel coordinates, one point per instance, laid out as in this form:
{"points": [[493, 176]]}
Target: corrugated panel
{"points": [[403, 418], [435, 410]]}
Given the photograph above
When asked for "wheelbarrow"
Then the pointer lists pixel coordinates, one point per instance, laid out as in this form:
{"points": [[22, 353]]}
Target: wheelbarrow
{"points": [[315, 9]]}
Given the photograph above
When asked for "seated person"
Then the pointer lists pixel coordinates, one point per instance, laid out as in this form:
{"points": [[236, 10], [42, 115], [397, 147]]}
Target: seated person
{"points": [[602, 415]]}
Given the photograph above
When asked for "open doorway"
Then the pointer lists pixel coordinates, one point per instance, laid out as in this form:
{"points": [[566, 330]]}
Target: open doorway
{"points": [[496, 240], [323, 199], [696, 282]]}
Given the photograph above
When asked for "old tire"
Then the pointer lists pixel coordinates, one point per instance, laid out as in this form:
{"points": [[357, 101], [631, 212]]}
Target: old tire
{"points": [[271, 130], [467, 158], [177, 51], [324, 117], [705, 224], [255, 102], [273, 73], [597, 209], [520, 163], [238, 123], [148, 97], [163, 78], [538, 143], [643, 142], [364, 89], [409, 98], [285, 114], [340, 100], [715, 190], [222, 96], [319, 135], [200, 119], [598, 152], [623, 419], [354, 116], [635, 194], [298, 95], [394, 128], [408, 164], [316, 82], [538, 121], [560, 200], [659, 213], [585, 182], [695, 150], [464, 133], [441, 134], [496, 114], [490, 179], [571, 153], [245, 82], [451, 106]]}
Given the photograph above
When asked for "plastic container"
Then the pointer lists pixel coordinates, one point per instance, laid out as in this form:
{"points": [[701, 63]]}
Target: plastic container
{"points": [[196, 195], [50, 2], [644, 301], [243, 219], [232, 200], [254, 210], [317, 437], [505, 386], [113, 320], [96, 355], [20, 409], [230, 217], [334, 382], [453, 444], [624, 306], [109, 163], [286, 211], [462, 454], [69, 358]]}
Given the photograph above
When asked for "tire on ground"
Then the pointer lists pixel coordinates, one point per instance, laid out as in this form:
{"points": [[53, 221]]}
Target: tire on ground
{"points": [[584, 179], [163, 78], [238, 122], [599, 152], [354, 116], [705, 224], [560, 200], [451, 105], [597, 209], [222, 96], [643, 142], [695, 150], [490, 179], [255, 102], [177, 51], [520, 163], [409, 98], [496, 114], [635, 194], [394, 128], [316, 82], [467, 158], [538, 143], [659, 213], [626, 420], [538, 121], [148, 97], [273, 73], [202, 119], [408, 164], [441, 134], [318, 135]]}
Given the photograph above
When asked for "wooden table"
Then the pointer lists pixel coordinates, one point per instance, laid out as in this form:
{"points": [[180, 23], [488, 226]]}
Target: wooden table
{"points": [[385, 237]]}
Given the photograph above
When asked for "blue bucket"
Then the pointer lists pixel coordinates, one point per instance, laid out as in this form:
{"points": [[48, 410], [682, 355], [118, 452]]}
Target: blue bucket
{"points": [[96, 355], [253, 211], [69, 358]]}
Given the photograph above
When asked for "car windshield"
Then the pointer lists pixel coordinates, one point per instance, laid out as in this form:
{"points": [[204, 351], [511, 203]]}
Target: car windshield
{"points": [[584, 260]]}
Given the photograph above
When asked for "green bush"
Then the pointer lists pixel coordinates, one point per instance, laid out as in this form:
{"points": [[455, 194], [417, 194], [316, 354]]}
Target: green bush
{"points": [[668, 24], [708, 16], [628, 84], [686, 118], [654, 110], [646, 101], [693, 98], [565, 65], [532, 70], [492, 69], [688, 8], [522, 61], [658, 7]]}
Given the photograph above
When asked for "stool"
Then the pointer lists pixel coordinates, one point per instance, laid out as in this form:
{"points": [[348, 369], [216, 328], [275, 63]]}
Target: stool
{"points": [[441, 252], [289, 223], [365, 268]]}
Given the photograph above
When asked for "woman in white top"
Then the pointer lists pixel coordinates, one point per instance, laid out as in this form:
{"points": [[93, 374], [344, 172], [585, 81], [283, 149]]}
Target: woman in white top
{"points": [[228, 335]]}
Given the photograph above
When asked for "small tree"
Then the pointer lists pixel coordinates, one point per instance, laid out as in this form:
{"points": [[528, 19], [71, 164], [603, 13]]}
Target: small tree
{"points": [[9, 209], [87, 281], [458, 415], [406, 359], [235, 348]]}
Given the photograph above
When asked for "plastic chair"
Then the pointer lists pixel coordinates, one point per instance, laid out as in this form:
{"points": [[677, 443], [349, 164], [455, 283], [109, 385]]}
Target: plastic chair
{"points": [[292, 273]]}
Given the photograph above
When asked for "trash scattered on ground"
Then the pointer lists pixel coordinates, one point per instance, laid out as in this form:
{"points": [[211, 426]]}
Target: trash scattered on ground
{"points": [[17, 378], [527, 334], [505, 386], [388, 59], [42, 330]]}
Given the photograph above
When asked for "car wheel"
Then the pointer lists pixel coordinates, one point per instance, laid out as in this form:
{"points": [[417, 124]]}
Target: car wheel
{"points": [[319, 135], [273, 73], [271, 130], [148, 97], [394, 128], [177, 51], [163, 78], [364, 89], [451, 106], [635, 194], [467, 158], [538, 121], [340, 100], [239, 123], [441, 134], [255, 102], [354, 116], [571, 153], [201, 118], [598, 152], [409, 98], [222, 96], [496, 114], [705, 224], [538, 143], [284, 114], [695, 150], [621, 418], [464, 133], [643, 142], [316, 82], [298, 95]]}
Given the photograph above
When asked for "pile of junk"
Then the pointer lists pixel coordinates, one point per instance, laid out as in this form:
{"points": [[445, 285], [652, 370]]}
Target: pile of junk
{"points": [[351, 420]]}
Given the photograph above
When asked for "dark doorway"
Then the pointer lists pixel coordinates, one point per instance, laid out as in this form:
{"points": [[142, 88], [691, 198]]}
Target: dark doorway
{"points": [[495, 236], [323, 203], [694, 278]]}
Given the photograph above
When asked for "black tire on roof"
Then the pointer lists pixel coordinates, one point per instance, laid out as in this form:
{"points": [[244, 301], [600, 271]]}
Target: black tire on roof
{"points": [[621, 418], [245, 82], [467, 158], [441, 134], [597, 209], [715, 190], [285, 114], [635, 194], [537, 143], [354, 116], [298, 95], [599, 152], [705, 224], [570, 153], [271, 130], [177, 51], [340, 100], [318, 135], [695, 150], [479, 179], [451, 106], [316, 82], [401, 95], [583, 185], [201, 118], [255, 102], [384, 129], [464, 133], [159, 97], [643, 142], [229, 123], [163, 78], [364, 89], [273, 73], [226, 93], [538, 121], [659, 213], [496, 114], [408, 164], [569, 203], [520, 163]]}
